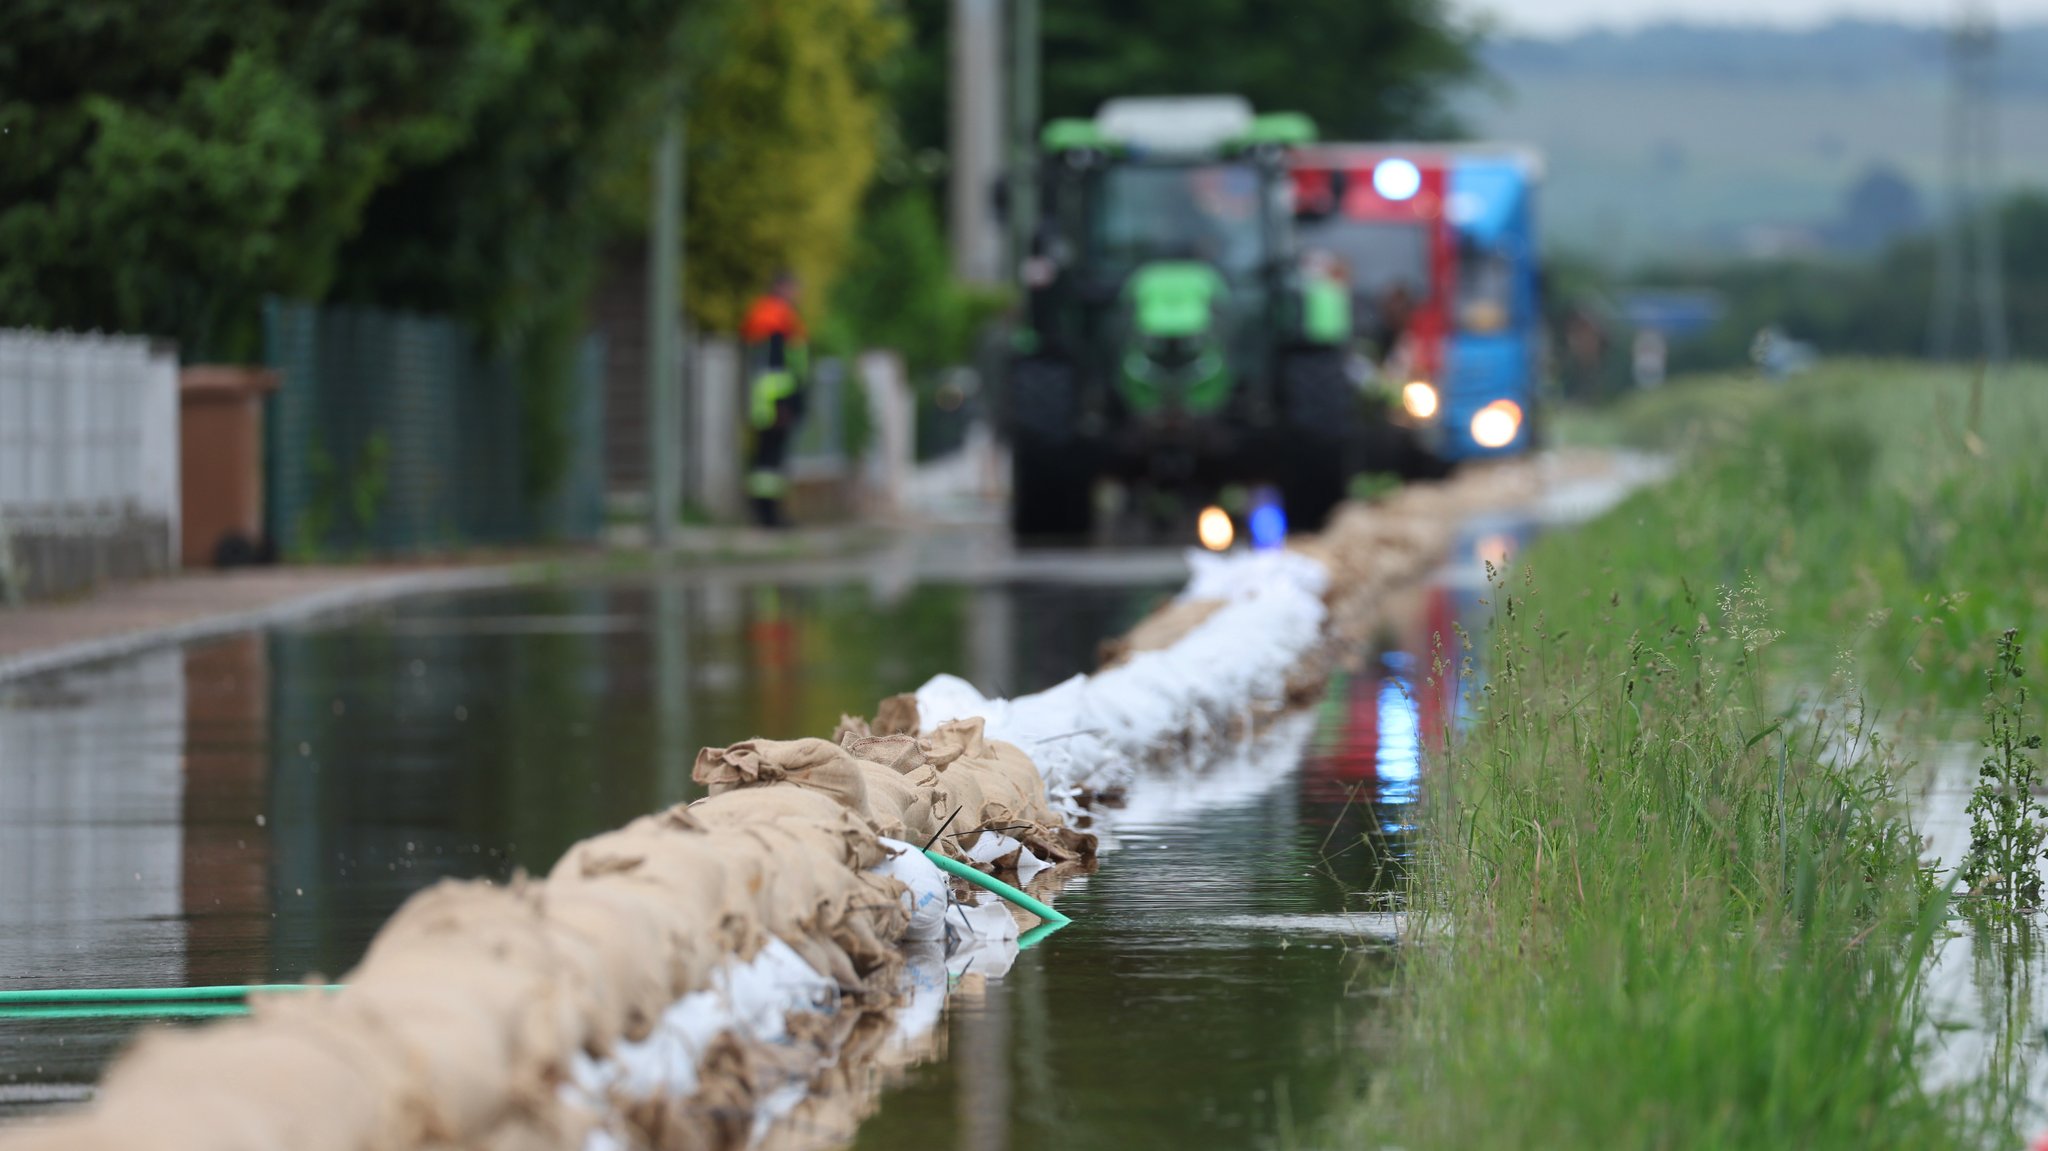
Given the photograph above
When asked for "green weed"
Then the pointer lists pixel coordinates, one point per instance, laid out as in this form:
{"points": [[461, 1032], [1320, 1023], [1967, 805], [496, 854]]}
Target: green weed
{"points": [[2008, 821]]}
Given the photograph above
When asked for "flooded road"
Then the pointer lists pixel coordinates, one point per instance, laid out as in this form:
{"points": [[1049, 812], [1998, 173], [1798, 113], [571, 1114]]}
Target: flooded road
{"points": [[252, 809], [1224, 967]]}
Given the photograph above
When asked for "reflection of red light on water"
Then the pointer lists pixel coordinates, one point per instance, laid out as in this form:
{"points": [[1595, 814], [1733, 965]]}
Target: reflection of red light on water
{"points": [[1356, 756], [1369, 747], [1436, 678], [774, 643], [1343, 763]]}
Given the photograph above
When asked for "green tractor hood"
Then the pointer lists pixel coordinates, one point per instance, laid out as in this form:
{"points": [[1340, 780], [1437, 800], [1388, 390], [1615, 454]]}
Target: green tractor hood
{"points": [[1174, 298], [1176, 358]]}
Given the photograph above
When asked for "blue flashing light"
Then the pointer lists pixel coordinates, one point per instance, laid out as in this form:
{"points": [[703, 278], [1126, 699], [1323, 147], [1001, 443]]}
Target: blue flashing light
{"points": [[1269, 527]]}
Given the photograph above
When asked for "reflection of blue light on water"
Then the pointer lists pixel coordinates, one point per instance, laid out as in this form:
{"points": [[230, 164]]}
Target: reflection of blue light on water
{"points": [[1269, 526], [1400, 751]]}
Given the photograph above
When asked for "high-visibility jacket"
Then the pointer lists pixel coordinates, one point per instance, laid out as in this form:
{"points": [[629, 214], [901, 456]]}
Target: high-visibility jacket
{"points": [[777, 355]]}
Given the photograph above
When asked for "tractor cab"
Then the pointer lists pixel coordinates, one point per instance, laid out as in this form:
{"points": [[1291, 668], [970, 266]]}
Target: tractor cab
{"points": [[1168, 313]]}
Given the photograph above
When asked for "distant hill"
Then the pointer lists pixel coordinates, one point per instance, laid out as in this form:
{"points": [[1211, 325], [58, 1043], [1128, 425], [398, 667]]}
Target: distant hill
{"points": [[1680, 140]]}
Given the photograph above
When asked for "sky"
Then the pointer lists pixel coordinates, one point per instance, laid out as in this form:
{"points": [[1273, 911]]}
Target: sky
{"points": [[1565, 17]]}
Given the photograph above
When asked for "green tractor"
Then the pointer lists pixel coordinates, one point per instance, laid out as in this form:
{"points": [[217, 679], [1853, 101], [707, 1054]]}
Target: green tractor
{"points": [[1173, 340]]}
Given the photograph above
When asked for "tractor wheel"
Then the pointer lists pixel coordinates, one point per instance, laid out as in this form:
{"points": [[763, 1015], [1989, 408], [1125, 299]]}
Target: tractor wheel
{"points": [[1052, 490], [1320, 406], [1052, 480]]}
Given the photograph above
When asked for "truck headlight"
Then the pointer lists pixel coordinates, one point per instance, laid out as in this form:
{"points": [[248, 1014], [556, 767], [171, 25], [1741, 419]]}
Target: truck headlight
{"points": [[1419, 399], [1496, 424]]}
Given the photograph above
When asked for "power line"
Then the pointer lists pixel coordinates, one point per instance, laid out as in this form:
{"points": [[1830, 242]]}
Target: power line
{"points": [[1967, 271]]}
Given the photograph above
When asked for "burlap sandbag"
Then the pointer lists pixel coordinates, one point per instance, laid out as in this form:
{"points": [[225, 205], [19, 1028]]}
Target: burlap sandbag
{"points": [[953, 739], [694, 865], [476, 1037], [503, 925], [631, 955], [549, 1129], [280, 1087], [215, 1120], [900, 753], [897, 716], [852, 831], [900, 809], [705, 889], [818, 764]]}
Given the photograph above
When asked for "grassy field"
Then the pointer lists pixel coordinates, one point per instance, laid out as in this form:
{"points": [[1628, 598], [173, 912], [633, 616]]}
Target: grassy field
{"points": [[1670, 896], [1895, 510]]}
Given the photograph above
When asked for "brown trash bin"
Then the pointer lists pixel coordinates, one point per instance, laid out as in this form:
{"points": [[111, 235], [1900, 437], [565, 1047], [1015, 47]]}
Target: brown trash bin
{"points": [[220, 462]]}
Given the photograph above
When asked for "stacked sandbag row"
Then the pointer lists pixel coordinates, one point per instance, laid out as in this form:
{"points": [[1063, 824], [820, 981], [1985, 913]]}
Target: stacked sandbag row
{"points": [[1370, 550], [941, 788], [479, 1009], [1252, 635]]}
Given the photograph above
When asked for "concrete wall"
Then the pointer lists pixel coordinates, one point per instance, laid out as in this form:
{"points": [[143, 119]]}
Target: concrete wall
{"points": [[49, 561], [89, 454]]}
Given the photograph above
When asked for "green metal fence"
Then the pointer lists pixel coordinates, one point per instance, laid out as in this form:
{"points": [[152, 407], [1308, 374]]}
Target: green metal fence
{"points": [[395, 433]]}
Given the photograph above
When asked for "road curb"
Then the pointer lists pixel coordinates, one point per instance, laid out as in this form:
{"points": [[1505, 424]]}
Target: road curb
{"points": [[378, 590]]}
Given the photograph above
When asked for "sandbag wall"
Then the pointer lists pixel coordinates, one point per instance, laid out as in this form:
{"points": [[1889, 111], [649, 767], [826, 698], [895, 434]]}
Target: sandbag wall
{"points": [[527, 1015], [1252, 635], [476, 1006]]}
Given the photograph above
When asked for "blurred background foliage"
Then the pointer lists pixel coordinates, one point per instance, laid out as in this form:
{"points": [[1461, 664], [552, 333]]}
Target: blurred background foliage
{"points": [[169, 168], [1877, 305]]}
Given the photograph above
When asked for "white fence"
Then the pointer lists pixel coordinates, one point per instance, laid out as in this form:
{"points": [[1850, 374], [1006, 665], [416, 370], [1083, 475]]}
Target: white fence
{"points": [[88, 432]]}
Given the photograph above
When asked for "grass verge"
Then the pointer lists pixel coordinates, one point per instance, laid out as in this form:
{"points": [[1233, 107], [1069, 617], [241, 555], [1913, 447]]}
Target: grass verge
{"points": [[1658, 907]]}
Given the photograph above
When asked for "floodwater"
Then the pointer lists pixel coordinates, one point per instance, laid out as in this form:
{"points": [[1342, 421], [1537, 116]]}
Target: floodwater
{"points": [[1985, 989], [252, 809], [1225, 967]]}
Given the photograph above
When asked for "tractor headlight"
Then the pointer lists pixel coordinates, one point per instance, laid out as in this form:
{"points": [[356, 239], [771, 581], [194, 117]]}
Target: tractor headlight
{"points": [[1497, 424], [1419, 398]]}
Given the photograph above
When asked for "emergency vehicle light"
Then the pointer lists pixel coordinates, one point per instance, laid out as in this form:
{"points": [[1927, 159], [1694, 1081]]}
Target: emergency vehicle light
{"points": [[1396, 179]]}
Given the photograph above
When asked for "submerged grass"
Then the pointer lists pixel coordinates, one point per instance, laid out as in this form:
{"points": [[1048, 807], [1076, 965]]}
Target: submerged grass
{"points": [[1657, 906]]}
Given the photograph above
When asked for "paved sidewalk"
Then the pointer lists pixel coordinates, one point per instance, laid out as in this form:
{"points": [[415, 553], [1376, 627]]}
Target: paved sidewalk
{"points": [[120, 619], [130, 617]]}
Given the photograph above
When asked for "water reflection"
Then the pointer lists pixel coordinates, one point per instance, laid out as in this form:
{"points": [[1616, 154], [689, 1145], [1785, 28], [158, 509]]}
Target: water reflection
{"points": [[1211, 989], [252, 809], [91, 867], [1983, 990], [96, 870]]}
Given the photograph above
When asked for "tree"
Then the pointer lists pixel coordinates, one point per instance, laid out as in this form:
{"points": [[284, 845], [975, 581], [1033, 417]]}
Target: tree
{"points": [[786, 126], [1363, 69], [507, 229], [166, 169], [896, 289], [1878, 306]]}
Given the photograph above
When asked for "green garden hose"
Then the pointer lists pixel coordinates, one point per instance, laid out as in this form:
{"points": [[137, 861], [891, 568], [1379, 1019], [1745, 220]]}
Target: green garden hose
{"points": [[159, 1010], [980, 879], [1036, 935]]}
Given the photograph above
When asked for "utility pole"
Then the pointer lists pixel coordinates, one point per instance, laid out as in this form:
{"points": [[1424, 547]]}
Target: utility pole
{"points": [[664, 317], [1968, 259], [1024, 73], [976, 142]]}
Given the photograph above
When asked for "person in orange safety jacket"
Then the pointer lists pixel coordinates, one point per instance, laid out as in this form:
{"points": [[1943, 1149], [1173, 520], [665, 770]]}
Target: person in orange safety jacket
{"points": [[776, 359]]}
